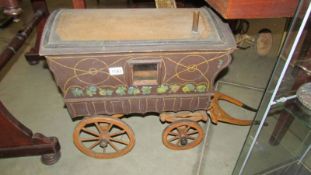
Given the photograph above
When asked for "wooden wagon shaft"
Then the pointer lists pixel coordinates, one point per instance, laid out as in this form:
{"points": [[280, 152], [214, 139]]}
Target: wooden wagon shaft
{"points": [[218, 114], [32, 56], [215, 111]]}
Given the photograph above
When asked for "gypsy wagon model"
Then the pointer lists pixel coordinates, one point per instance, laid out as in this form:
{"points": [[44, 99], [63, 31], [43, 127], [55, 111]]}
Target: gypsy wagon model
{"points": [[110, 63]]}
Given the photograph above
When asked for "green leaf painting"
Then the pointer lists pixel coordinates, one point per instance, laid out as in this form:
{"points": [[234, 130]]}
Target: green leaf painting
{"points": [[133, 90], [91, 90], [77, 92], [188, 88], [105, 91], [121, 90], [109, 92], [162, 89], [174, 88], [201, 88], [146, 90]]}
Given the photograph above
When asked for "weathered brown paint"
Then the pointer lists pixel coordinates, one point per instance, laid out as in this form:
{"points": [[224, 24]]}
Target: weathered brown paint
{"points": [[182, 57]]}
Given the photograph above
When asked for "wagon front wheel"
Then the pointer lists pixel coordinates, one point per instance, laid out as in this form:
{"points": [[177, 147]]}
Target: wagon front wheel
{"points": [[103, 137], [182, 135]]}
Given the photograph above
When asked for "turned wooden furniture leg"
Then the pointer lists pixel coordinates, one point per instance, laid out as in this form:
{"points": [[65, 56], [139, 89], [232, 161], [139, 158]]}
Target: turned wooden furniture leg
{"points": [[33, 56], [17, 140], [281, 127], [19, 39]]}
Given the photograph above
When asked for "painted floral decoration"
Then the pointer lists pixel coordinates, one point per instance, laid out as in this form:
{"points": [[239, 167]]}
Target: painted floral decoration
{"points": [[77, 92], [121, 90], [174, 88], [188, 88], [146, 90], [109, 92], [162, 89], [201, 88], [91, 90], [105, 91], [133, 90]]}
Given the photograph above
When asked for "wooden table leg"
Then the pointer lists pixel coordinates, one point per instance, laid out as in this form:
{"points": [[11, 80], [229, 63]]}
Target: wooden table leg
{"points": [[281, 127], [17, 140], [33, 56]]}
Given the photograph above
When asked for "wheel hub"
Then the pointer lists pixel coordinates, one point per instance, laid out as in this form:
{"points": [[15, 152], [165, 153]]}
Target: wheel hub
{"points": [[104, 139], [188, 134], [183, 141], [183, 137], [103, 143]]}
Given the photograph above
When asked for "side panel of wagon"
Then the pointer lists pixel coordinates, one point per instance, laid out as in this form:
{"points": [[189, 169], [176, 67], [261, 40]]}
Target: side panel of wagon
{"points": [[137, 82]]}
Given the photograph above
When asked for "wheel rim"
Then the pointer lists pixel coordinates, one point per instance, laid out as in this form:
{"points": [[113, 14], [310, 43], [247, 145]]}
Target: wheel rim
{"points": [[182, 135], [103, 137]]}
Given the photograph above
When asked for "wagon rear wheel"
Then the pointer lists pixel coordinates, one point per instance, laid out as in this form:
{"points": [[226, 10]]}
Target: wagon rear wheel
{"points": [[182, 135], [103, 137]]}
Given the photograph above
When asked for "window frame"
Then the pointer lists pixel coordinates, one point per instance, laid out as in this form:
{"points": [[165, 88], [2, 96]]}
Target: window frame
{"points": [[132, 63]]}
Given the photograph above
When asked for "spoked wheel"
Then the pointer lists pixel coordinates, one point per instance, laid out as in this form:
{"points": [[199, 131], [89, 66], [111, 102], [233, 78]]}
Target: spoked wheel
{"points": [[182, 135], [103, 137]]}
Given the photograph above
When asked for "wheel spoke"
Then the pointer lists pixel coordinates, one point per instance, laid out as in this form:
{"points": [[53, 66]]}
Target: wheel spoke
{"points": [[90, 132], [182, 129], [179, 129], [173, 139], [117, 133], [187, 128], [178, 142], [172, 133], [193, 132], [98, 127], [113, 146], [182, 134], [109, 127], [94, 145], [103, 137], [119, 141], [89, 139], [191, 138]]}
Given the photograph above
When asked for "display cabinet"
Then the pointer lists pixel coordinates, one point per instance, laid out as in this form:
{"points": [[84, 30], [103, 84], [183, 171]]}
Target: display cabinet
{"points": [[281, 143]]}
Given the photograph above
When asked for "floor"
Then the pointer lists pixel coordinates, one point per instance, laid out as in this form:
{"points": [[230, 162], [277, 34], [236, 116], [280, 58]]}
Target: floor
{"points": [[30, 93], [293, 170]]}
